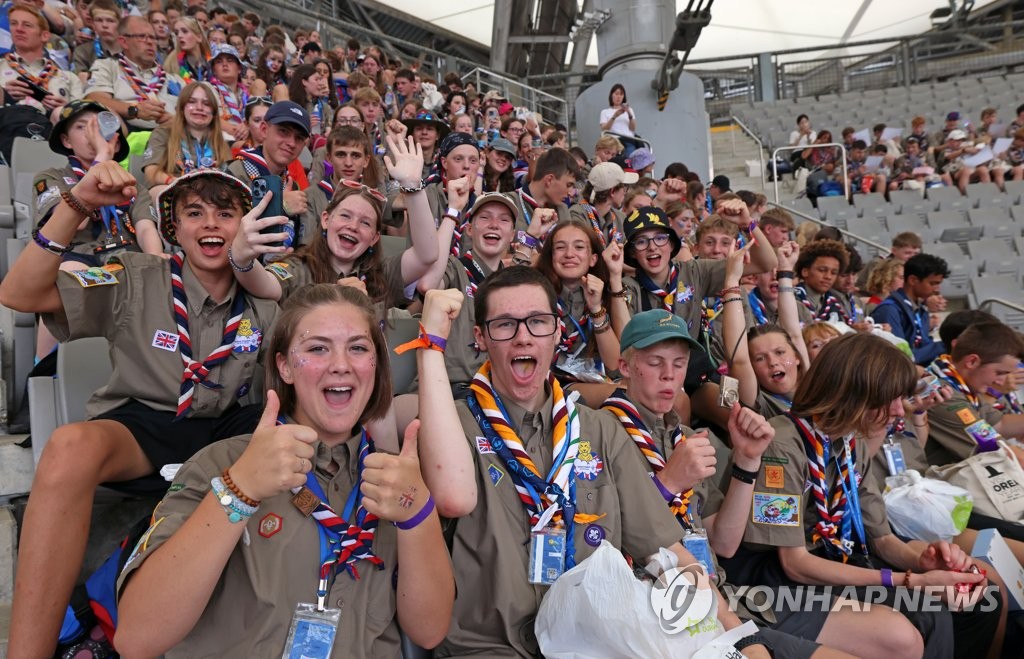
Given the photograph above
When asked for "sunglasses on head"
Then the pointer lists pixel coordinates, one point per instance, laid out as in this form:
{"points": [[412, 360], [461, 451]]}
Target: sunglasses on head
{"points": [[353, 185], [259, 100]]}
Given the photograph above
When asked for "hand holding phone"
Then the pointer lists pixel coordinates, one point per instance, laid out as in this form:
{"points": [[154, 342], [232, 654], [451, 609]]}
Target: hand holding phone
{"points": [[262, 185]]}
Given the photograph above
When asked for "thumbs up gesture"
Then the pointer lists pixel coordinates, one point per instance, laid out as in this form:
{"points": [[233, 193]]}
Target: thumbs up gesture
{"points": [[278, 456], [393, 488]]}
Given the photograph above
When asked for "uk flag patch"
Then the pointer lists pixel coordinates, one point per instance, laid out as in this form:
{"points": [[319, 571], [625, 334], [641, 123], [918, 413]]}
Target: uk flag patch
{"points": [[166, 340]]}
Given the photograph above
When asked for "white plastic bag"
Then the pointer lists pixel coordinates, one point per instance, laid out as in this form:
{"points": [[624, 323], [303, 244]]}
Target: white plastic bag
{"points": [[599, 609], [926, 508]]}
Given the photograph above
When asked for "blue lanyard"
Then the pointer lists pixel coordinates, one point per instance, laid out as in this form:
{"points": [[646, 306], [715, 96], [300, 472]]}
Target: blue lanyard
{"points": [[853, 511], [916, 318]]}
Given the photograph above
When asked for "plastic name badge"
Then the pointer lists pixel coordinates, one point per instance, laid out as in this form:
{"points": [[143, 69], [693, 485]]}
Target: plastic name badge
{"points": [[696, 542], [547, 556], [312, 633]]}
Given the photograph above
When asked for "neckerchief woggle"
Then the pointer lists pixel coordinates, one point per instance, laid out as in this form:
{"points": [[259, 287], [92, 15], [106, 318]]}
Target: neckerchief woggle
{"points": [[340, 541], [201, 149], [558, 502]]}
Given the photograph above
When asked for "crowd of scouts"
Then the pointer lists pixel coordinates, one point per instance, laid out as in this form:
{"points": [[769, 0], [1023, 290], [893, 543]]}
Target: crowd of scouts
{"points": [[591, 338]]}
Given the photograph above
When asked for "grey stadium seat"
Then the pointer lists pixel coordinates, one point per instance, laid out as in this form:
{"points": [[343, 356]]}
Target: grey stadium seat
{"points": [[995, 222], [995, 256], [1005, 287], [910, 202]]}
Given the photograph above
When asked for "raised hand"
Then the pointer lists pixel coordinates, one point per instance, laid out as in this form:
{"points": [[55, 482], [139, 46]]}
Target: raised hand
{"points": [[751, 434], [405, 162], [249, 243], [105, 184], [440, 308], [593, 287], [734, 264], [788, 253], [735, 211], [458, 193], [541, 222], [612, 256], [393, 488], [277, 458], [692, 461]]}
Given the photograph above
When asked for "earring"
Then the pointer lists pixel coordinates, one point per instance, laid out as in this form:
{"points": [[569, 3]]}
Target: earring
{"points": [[369, 250], [323, 233]]}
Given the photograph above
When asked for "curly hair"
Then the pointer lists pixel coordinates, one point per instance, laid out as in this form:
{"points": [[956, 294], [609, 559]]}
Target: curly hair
{"points": [[823, 248]]}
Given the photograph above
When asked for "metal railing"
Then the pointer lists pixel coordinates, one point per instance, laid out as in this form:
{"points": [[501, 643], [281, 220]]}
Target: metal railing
{"points": [[882, 249], [987, 302], [519, 94], [775, 166], [760, 152]]}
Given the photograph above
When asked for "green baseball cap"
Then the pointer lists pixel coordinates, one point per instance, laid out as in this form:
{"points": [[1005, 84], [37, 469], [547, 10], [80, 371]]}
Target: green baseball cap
{"points": [[650, 327]]}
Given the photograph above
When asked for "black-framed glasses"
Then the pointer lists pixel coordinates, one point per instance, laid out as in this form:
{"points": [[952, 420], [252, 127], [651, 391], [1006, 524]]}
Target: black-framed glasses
{"points": [[140, 36], [538, 324], [259, 100], [659, 240]]}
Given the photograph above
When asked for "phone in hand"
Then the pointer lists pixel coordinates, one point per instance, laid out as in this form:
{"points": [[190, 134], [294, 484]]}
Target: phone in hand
{"points": [[37, 92], [261, 185]]}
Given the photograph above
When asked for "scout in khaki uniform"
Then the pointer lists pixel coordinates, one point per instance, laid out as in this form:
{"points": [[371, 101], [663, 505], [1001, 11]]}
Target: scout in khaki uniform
{"points": [[821, 520], [132, 83], [125, 227], [603, 196], [233, 556], [983, 356], [349, 153], [554, 176], [27, 63], [345, 248], [515, 422], [185, 345], [655, 349]]}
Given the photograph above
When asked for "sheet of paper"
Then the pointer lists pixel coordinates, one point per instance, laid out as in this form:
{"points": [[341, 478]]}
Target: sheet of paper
{"points": [[1002, 144], [864, 135], [998, 130], [891, 134], [979, 158], [872, 163]]}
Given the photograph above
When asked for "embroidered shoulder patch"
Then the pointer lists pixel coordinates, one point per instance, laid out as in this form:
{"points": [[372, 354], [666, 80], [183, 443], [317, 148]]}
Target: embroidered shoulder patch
{"points": [[774, 476], [776, 509], [280, 270], [966, 416], [97, 276]]}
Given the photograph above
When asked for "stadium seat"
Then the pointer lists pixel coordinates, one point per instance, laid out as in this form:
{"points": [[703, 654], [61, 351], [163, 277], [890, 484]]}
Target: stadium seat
{"points": [[985, 288], [836, 210], [1014, 191], [910, 202], [948, 198], [870, 228], [903, 223], [984, 195], [995, 222], [801, 205], [83, 366], [994, 256], [949, 226]]}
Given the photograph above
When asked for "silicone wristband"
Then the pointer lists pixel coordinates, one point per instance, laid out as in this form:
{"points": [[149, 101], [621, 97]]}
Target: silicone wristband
{"points": [[523, 238], [418, 518], [50, 246], [668, 496], [887, 578]]}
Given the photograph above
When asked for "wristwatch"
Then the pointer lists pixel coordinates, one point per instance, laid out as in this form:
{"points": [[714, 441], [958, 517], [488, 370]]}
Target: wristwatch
{"points": [[133, 111]]}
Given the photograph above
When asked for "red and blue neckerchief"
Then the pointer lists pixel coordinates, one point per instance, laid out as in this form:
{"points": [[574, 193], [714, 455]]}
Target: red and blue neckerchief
{"points": [[838, 503], [830, 304], [253, 162], [473, 271], [327, 188], [142, 89], [943, 368], [343, 543], [234, 109], [195, 372], [667, 295], [115, 220]]}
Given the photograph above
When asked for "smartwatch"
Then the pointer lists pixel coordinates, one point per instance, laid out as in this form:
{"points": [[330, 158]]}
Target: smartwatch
{"points": [[133, 111]]}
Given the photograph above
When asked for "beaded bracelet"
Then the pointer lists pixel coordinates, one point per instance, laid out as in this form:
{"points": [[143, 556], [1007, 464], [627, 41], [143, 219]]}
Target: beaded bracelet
{"points": [[236, 491], [786, 289], [75, 203], [726, 291], [600, 313], [621, 293], [418, 518], [50, 246], [239, 268], [424, 340], [731, 299], [411, 190], [236, 509]]}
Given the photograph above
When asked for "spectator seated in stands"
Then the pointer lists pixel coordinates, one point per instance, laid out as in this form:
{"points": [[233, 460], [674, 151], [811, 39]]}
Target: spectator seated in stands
{"points": [[919, 131], [1013, 158], [30, 79], [777, 226], [310, 88], [191, 572], [133, 84], [983, 359], [190, 59], [607, 147], [915, 169], [193, 140], [603, 196], [891, 148], [955, 148], [885, 277], [149, 414], [823, 161], [906, 310], [232, 96], [348, 157], [105, 17], [860, 179], [819, 266]]}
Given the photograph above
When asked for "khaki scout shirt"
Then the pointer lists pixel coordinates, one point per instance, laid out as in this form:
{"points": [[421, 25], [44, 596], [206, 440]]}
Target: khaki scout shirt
{"points": [[48, 185], [129, 303], [62, 84], [698, 279], [293, 273], [85, 56], [524, 212], [306, 225], [610, 221], [276, 564], [948, 439], [784, 514], [769, 405], [106, 76], [495, 610]]}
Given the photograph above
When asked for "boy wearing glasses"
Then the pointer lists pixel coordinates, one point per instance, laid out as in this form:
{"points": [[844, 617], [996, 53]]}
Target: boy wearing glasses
{"points": [[681, 286], [132, 83], [517, 434]]}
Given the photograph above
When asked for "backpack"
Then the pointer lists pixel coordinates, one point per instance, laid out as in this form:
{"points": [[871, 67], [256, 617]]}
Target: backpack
{"points": [[20, 121]]}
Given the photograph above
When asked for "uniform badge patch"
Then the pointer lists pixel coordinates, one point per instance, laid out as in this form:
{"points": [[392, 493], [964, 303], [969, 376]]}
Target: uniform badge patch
{"points": [[588, 464], [279, 270], [166, 340], [483, 445], [248, 338], [774, 476], [270, 525], [684, 292], [46, 196], [776, 509], [495, 474], [594, 534], [70, 180], [95, 276], [966, 416]]}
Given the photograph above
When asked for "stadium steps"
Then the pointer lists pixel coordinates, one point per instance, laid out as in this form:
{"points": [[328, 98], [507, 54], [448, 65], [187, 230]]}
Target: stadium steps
{"points": [[731, 148]]}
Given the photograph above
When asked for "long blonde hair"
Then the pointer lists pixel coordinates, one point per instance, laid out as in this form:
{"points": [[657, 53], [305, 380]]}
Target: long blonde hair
{"points": [[179, 131]]}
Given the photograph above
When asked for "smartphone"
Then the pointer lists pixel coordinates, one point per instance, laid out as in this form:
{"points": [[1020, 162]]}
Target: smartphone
{"points": [[492, 113], [729, 392], [261, 185], [36, 92]]}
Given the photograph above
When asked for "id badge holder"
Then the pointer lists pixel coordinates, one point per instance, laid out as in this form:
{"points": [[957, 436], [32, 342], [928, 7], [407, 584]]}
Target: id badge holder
{"points": [[894, 458], [547, 556], [311, 634], [696, 542]]}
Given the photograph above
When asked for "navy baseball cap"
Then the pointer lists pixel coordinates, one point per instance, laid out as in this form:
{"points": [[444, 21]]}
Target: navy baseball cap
{"points": [[287, 112]]}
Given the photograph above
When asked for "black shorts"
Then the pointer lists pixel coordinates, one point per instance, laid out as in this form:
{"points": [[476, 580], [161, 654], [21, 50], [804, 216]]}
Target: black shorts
{"points": [[166, 441]]}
